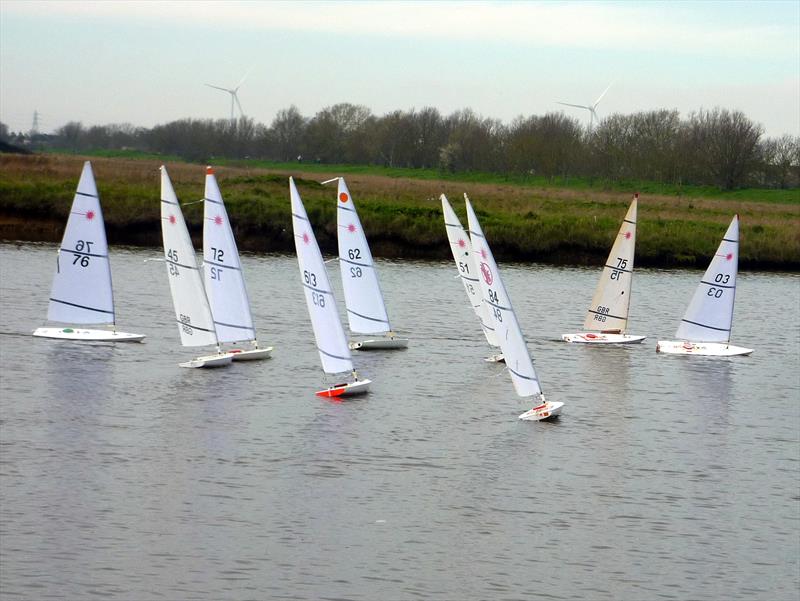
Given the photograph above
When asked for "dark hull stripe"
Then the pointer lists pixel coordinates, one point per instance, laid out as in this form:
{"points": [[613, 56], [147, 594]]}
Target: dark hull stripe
{"points": [[463, 277], [497, 306], [619, 269], [86, 195], [608, 315], [471, 233], [180, 323], [300, 217], [316, 289], [629, 221], [169, 202], [332, 355], [221, 265], [702, 325], [354, 263], [55, 300], [166, 260], [83, 254], [732, 241], [458, 225], [343, 208], [233, 325], [216, 202], [367, 317], [519, 375], [716, 285]]}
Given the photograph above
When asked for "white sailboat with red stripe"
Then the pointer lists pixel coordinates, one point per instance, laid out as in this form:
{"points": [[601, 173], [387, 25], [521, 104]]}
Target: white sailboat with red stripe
{"points": [[607, 319], [706, 326], [192, 311], [468, 273], [224, 280], [366, 308], [82, 292], [506, 326], [334, 352]]}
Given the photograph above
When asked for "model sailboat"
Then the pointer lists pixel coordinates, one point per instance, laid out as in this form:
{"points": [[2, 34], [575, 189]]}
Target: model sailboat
{"points": [[334, 352], [461, 248], [192, 312], [706, 327], [224, 280], [507, 328], [366, 309], [607, 318], [82, 292]]}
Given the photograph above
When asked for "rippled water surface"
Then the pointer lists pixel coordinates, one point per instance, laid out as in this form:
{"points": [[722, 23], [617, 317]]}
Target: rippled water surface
{"points": [[124, 476]]}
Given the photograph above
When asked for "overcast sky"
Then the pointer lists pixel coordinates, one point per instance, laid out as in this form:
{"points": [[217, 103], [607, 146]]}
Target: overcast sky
{"points": [[146, 62]]}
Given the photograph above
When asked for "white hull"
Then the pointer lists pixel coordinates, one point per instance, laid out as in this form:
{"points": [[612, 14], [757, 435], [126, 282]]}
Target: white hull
{"points": [[498, 358], [379, 344], [707, 349], [219, 360], [348, 389], [547, 410], [255, 354], [600, 338], [85, 334]]}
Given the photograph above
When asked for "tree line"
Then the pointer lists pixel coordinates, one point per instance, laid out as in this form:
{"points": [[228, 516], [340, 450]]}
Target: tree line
{"points": [[717, 147]]}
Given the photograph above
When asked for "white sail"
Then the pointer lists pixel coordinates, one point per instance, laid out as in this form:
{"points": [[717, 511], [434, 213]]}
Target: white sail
{"points": [[192, 311], [366, 310], [501, 313], [224, 280], [710, 313], [611, 302], [331, 340], [82, 291], [461, 247]]}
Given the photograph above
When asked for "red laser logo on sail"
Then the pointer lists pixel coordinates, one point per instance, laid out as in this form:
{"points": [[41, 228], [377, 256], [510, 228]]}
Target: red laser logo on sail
{"points": [[218, 220], [172, 219], [487, 274], [305, 237], [461, 242], [90, 215], [351, 228]]}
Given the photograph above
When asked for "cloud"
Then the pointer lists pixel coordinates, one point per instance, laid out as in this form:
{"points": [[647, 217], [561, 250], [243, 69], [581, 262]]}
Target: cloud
{"points": [[680, 28]]}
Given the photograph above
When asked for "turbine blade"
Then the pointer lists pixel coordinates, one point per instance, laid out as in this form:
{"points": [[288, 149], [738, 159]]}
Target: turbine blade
{"points": [[579, 106], [596, 102], [246, 75], [218, 88]]}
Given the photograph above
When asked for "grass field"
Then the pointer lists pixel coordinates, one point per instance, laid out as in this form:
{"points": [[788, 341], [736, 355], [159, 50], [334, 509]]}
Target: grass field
{"points": [[526, 219]]}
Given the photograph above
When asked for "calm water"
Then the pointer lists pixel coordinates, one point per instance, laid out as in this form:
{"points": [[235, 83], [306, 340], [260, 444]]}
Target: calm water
{"points": [[124, 476]]}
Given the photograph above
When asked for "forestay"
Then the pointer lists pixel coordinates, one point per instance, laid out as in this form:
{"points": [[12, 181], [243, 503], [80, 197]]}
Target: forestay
{"points": [[461, 248], [82, 291], [611, 302], [192, 311], [501, 313], [224, 279], [331, 341], [366, 310], [710, 313]]}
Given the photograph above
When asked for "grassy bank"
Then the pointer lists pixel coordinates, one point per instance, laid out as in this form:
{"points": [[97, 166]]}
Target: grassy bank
{"points": [[525, 219]]}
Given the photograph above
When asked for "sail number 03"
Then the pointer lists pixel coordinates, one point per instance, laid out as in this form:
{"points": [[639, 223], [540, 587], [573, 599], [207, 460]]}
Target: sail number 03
{"points": [[720, 278], [80, 247]]}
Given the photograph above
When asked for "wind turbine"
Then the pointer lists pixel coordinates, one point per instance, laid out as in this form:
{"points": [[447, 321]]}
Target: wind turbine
{"points": [[591, 108], [233, 93]]}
